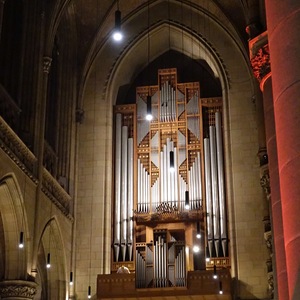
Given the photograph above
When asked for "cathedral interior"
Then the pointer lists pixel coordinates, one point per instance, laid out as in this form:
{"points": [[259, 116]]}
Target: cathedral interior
{"points": [[149, 149]]}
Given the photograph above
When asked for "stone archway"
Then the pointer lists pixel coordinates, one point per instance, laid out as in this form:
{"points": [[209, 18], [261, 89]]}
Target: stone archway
{"points": [[14, 221], [52, 281]]}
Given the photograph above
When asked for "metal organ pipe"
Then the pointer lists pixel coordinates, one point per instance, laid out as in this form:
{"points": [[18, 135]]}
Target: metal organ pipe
{"points": [[124, 191], [215, 194], [208, 194], [221, 183], [117, 234], [199, 171], [130, 198]]}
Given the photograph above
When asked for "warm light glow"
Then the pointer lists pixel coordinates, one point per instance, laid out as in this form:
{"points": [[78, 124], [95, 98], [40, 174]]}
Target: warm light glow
{"points": [[21, 245], [207, 259], [48, 266], [215, 276], [187, 206], [117, 36], [196, 249], [221, 292], [198, 235], [149, 117], [89, 292]]}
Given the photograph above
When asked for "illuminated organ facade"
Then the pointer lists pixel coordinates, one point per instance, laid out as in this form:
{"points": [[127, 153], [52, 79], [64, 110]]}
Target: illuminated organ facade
{"points": [[159, 212]]}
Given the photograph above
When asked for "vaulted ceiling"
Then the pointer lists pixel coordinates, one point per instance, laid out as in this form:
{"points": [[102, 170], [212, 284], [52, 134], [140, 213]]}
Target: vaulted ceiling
{"points": [[86, 25]]}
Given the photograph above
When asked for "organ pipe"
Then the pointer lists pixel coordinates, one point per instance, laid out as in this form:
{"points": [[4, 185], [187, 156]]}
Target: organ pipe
{"points": [[167, 102], [208, 194], [221, 184], [215, 195], [124, 191], [130, 198], [117, 234]]}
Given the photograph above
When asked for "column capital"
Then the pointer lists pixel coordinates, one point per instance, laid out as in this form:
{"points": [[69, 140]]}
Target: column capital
{"points": [[17, 289], [265, 180], [46, 64], [260, 57]]}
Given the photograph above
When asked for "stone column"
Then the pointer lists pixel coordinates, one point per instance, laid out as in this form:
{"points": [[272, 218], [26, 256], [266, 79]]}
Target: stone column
{"points": [[283, 20], [17, 289], [260, 60], [40, 153]]}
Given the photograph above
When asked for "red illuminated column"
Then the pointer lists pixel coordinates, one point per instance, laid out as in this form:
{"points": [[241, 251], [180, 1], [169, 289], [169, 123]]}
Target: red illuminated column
{"points": [[283, 20], [260, 61]]}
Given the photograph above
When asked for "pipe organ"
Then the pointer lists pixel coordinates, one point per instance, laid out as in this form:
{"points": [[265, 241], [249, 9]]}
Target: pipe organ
{"points": [[153, 230]]}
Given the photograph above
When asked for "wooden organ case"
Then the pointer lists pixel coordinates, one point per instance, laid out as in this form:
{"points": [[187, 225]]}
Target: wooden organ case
{"points": [[158, 213]]}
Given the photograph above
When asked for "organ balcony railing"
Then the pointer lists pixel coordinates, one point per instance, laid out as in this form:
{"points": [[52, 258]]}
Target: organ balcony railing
{"points": [[200, 284]]}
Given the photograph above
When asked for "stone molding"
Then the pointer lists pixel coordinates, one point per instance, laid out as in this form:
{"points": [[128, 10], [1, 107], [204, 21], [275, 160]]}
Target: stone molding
{"points": [[17, 289], [14, 147]]}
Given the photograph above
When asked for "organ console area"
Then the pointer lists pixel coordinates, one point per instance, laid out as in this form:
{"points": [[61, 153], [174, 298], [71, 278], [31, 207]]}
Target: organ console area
{"points": [[169, 212]]}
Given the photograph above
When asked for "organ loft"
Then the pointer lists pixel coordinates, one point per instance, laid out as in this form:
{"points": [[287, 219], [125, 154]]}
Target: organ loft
{"points": [[169, 213]]}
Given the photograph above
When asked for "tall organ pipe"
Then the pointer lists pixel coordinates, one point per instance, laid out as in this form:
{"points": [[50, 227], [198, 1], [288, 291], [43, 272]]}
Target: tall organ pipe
{"points": [[168, 173], [200, 181], [221, 183], [175, 180], [124, 191], [118, 151], [130, 198], [215, 193], [208, 194]]}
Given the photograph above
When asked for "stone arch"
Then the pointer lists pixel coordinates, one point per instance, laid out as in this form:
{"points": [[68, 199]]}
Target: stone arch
{"points": [[53, 281], [220, 46], [13, 221]]}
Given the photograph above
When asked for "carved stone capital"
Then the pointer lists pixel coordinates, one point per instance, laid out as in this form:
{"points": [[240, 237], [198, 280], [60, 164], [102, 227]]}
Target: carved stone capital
{"points": [[271, 284], [260, 56], [269, 240], [261, 63], [265, 182], [17, 289], [47, 64]]}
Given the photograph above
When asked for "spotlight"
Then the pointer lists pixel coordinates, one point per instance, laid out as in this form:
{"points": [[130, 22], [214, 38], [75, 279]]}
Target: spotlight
{"points": [[172, 169], [187, 200], [198, 235], [89, 292], [149, 109], [21, 242], [196, 249], [220, 288], [71, 278], [215, 276], [117, 34], [48, 261]]}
